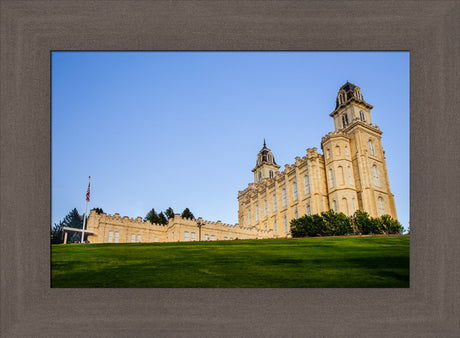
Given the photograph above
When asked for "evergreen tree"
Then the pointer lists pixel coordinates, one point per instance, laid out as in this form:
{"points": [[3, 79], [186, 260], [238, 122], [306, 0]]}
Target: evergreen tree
{"points": [[73, 220], [162, 219], [169, 213], [187, 214], [57, 234], [152, 217], [98, 210]]}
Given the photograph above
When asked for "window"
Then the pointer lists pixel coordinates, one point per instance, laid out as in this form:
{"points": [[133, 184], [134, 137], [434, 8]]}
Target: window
{"points": [[110, 236], [345, 206], [346, 151], [361, 116], [186, 236], [225, 239], [375, 172], [328, 151], [138, 238], [341, 176], [345, 120], [307, 184], [371, 148], [331, 177], [350, 177], [249, 216], [260, 176], [213, 238], [270, 173], [294, 191], [285, 224], [266, 207], [155, 239], [353, 203], [206, 237], [308, 210], [266, 227], [257, 213], [117, 236], [381, 206], [296, 213], [269, 158], [275, 204], [284, 197], [133, 238], [276, 228], [242, 221], [334, 205]]}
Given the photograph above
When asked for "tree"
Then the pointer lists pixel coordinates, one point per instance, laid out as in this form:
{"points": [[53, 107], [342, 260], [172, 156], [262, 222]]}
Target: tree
{"points": [[73, 220], [187, 214], [57, 234], [162, 219], [98, 210], [152, 217], [169, 213]]}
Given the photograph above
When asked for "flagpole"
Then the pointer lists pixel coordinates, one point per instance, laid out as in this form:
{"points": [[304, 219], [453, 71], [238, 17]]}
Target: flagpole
{"points": [[84, 215]]}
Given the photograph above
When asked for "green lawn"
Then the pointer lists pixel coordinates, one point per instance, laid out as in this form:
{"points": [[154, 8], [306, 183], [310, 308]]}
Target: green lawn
{"points": [[332, 262]]}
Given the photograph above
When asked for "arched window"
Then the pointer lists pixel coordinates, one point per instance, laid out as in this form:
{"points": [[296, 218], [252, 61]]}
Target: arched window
{"points": [[350, 176], [375, 173], [266, 208], [308, 210], [331, 177], [307, 184], [249, 216], [346, 150], [371, 148], [285, 224], [341, 176], [294, 191], [257, 213], [345, 120], [296, 213], [337, 150], [345, 205], [362, 116], [381, 206], [353, 203], [284, 197], [276, 228], [334, 205], [275, 203], [328, 152]]}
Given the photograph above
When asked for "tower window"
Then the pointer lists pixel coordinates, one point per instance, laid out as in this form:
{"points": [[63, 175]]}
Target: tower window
{"points": [[361, 116], [328, 151], [334, 205], [381, 206], [375, 173], [271, 173], [371, 148], [249, 216], [350, 179], [331, 177], [307, 184], [260, 176], [341, 176], [345, 120]]}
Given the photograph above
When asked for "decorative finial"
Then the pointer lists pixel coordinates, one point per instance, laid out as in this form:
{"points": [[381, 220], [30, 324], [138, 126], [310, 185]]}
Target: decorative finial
{"points": [[264, 143]]}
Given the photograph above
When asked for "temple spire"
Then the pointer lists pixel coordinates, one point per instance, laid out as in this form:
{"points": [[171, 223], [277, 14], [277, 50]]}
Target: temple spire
{"points": [[265, 146]]}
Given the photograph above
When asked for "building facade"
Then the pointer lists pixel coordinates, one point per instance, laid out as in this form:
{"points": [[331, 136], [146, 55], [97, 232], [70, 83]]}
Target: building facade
{"points": [[350, 174]]}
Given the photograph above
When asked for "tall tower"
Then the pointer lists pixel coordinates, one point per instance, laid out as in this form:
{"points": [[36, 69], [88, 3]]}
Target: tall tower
{"points": [[356, 170], [266, 166]]}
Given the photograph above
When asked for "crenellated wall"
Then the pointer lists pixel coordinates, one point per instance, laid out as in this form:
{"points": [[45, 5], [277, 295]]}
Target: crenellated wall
{"points": [[117, 229]]}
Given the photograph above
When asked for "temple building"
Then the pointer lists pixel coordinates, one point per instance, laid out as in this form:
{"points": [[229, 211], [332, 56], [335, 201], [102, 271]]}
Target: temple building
{"points": [[350, 174]]}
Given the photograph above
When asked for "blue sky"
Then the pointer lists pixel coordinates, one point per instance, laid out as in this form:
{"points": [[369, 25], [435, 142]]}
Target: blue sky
{"points": [[183, 129]]}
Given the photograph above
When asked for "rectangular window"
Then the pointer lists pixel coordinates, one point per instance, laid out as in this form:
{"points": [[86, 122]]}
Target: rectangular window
{"points": [[308, 210], [266, 207], [307, 184], [331, 177], [284, 197], [285, 225], [225, 239], [155, 239], [206, 237], [133, 238], [192, 237], [350, 177], [276, 228], [110, 236], [213, 238], [138, 238], [334, 205], [117, 236], [257, 213], [294, 191], [275, 203], [249, 217], [186, 237]]}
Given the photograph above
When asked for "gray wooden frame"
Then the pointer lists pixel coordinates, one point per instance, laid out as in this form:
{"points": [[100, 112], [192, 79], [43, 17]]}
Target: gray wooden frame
{"points": [[31, 29]]}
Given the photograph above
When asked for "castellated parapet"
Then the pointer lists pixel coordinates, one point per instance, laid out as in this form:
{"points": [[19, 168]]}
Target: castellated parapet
{"points": [[106, 228]]}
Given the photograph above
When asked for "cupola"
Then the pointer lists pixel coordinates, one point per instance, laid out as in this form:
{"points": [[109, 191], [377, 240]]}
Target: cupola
{"points": [[266, 166]]}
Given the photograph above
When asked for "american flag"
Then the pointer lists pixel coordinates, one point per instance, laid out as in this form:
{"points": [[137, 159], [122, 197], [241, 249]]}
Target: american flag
{"points": [[87, 194]]}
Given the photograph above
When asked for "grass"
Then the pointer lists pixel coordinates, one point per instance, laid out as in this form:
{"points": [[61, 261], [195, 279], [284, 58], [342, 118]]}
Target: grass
{"points": [[328, 262]]}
